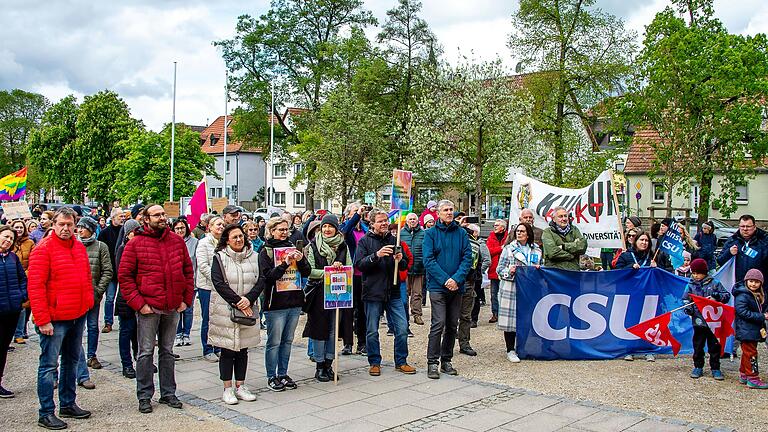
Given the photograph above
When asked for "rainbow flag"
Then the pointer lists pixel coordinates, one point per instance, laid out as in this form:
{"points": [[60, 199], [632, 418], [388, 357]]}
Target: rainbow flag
{"points": [[393, 217], [14, 186]]}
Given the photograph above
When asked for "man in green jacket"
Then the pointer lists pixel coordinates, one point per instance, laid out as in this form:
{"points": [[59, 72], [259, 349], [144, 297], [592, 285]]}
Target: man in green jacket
{"points": [[563, 242]]}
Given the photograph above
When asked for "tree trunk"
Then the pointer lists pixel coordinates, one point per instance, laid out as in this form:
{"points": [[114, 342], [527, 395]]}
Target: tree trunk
{"points": [[309, 194], [705, 187], [670, 188], [479, 173]]}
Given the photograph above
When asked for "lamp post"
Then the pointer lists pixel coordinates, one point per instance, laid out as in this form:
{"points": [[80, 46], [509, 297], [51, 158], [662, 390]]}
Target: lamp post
{"points": [[226, 97], [173, 128]]}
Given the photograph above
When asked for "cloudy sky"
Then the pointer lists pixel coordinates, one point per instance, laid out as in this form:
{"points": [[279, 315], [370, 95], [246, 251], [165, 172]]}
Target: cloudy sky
{"points": [[83, 46]]}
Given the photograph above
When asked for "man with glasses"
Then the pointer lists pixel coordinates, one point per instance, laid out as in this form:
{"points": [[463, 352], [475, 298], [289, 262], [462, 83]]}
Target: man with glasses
{"points": [[157, 280], [750, 247]]}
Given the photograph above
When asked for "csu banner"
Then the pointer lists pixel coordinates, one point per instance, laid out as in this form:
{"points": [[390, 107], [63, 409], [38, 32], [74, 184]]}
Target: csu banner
{"points": [[592, 207], [584, 315]]}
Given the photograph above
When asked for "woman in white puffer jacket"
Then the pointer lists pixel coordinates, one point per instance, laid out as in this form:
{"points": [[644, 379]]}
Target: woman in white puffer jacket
{"points": [[205, 250]]}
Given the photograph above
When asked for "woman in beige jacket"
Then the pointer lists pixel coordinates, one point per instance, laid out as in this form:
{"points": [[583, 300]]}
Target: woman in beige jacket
{"points": [[204, 257], [235, 276]]}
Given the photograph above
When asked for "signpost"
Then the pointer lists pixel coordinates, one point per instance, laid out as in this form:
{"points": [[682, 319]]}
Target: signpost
{"points": [[402, 185], [337, 294]]}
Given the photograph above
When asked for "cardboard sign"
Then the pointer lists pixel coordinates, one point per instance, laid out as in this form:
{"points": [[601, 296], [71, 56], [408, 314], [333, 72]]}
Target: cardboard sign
{"points": [[172, 209], [402, 182], [218, 204], [16, 210], [337, 287], [291, 279]]}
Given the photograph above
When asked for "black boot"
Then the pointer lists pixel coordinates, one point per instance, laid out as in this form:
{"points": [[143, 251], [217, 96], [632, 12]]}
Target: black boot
{"points": [[329, 369], [320, 372]]}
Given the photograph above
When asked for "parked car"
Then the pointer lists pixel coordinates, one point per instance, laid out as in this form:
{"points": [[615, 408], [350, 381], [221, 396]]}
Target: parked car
{"points": [[722, 230], [261, 212]]}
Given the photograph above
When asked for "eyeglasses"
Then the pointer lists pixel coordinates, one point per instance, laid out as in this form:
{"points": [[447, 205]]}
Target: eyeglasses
{"points": [[747, 226], [157, 215], [281, 229], [253, 229]]}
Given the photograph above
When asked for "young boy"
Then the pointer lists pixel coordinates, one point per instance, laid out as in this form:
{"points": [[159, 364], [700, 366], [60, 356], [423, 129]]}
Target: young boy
{"points": [[704, 286], [750, 326]]}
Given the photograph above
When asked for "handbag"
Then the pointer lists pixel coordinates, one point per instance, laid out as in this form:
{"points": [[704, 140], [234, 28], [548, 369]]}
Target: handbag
{"points": [[236, 315]]}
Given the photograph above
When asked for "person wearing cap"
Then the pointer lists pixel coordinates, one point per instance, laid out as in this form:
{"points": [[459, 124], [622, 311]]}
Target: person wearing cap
{"points": [[431, 210], [231, 214], [101, 275], [429, 221], [706, 240], [703, 285], [750, 324], [128, 342], [112, 237], [326, 249]]}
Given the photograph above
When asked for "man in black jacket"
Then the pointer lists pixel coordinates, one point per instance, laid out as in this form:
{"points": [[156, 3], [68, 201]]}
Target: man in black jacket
{"points": [[377, 258], [110, 236]]}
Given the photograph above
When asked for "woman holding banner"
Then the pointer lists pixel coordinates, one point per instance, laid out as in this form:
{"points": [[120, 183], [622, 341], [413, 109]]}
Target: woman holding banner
{"points": [[326, 249], [519, 250]]}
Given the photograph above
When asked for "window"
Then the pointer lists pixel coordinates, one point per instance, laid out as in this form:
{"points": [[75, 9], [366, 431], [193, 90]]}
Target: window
{"points": [[228, 165], [278, 199], [298, 199], [742, 194], [619, 166], [386, 197], [214, 140], [278, 171], [659, 193], [213, 192], [297, 168]]}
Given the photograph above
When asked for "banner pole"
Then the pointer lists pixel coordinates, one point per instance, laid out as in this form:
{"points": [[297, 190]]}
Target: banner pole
{"points": [[397, 244], [336, 345], [618, 214]]}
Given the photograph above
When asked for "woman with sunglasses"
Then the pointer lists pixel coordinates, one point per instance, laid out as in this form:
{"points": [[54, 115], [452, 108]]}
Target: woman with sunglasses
{"points": [[252, 231], [519, 250]]}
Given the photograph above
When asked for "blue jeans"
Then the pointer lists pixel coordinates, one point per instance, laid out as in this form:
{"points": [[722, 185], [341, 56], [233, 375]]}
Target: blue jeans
{"points": [[109, 304], [21, 326], [92, 326], [495, 297], [406, 305], [66, 341], [129, 342], [324, 349], [185, 322], [396, 315], [281, 325], [205, 301], [311, 348]]}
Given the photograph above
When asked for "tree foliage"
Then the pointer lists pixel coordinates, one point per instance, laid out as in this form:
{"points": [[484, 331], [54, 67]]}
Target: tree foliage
{"points": [[20, 113]]}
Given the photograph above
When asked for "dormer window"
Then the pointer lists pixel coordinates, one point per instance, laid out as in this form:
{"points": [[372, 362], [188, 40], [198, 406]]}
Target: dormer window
{"points": [[213, 139]]}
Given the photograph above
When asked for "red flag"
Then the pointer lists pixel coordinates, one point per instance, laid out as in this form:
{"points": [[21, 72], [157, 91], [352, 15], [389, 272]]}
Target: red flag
{"points": [[719, 318], [197, 205], [656, 331]]}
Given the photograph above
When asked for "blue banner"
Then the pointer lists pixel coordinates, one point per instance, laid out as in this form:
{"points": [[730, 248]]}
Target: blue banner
{"points": [[672, 244], [584, 315]]}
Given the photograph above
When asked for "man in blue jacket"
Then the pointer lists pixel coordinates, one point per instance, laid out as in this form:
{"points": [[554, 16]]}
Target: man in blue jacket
{"points": [[750, 247], [447, 261]]}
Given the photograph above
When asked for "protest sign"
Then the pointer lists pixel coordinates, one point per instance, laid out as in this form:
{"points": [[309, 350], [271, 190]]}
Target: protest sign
{"points": [[172, 209], [16, 210], [593, 207], [337, 287], [672, 244], [218, 204], [291, 279], [402, 182]]}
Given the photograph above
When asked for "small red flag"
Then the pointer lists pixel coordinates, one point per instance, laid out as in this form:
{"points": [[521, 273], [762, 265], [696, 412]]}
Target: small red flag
{"points": [[656, 331], [719, 318]]}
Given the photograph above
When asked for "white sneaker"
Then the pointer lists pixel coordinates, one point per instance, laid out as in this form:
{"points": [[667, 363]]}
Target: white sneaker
{"points": [[650, 358], [243, 393], [229, 396], [185, 341], [178, 342], [629, 357], [211, 357], [512, 356]]}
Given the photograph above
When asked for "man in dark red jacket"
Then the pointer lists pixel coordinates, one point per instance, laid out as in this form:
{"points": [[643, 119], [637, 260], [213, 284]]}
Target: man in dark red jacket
{"points": [[157, 281], [60, 292]]}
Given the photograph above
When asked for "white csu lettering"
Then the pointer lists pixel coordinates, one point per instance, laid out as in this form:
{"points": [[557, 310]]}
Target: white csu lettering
{"points": [[596, 323]]}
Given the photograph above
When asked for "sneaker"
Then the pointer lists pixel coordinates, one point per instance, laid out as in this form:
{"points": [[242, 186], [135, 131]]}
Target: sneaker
{"points": [[361, 350], [432, 371], [512, 357], [718, 375], [448, 369], [93, 363], [347, 350], [418, 320], [11, 348], [129, 372], [185, 340], [697, 372], [276, 384], [211, 357], [742, 378], [288, 382], [650, 358], [468, 351], [629, 357], [179, 341], [107, 328], [172, 401], [406, 369], [51, 422], [756, 383], [374, 370], [410, 333], [5, 393], [20, 340], [74, 412], [87, 384], [493, 319], [244, 393], [228, 397], [262, 326], [145, 406]]}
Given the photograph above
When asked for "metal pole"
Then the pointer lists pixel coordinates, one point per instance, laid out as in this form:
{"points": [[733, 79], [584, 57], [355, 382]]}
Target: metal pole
{"points": [[226, 96], [173, 127], [271, 190]]}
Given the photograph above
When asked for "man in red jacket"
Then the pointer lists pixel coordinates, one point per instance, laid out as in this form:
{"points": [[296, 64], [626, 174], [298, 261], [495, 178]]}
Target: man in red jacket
{"points": [[61, 293], [156, 279]]}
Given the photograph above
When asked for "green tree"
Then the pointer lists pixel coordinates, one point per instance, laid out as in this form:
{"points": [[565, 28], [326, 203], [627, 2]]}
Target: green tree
{"points": [[585, 55], [703, 90], [472, 125], [144, 173], [20, 113], [291, 44]]}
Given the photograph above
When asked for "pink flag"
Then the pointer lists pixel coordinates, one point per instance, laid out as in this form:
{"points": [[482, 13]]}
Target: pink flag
{"points": [[197, 205]]}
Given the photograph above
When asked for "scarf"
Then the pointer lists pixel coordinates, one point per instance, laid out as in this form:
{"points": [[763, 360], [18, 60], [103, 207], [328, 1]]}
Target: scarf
{"points": [[328, 247], [562, 231], [87, 241]]}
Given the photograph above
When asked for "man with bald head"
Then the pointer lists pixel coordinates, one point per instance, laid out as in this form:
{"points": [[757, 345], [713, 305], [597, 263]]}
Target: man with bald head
{"points": [[527, 216]]}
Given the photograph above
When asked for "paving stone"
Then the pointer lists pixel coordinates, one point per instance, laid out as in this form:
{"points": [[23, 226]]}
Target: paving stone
{"points": [[571, 410], [444, 428], [398, 398], [649, 425], [305, 423], [377, 388], [443, 385], [354, 426], [607, 422], [478, 390], [286, 411], [398, 416], [347, 412], [330, 400], [539, 421], [444, 401], [525, 404], [484, 419]]}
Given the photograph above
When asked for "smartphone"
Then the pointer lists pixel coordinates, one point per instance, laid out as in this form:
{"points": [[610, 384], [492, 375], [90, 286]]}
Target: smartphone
{"points": [[472, 219], [300, 245]]}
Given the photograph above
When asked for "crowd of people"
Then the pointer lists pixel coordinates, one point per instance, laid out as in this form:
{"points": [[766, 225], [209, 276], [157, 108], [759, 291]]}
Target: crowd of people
{"points": [[149, 269]]}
